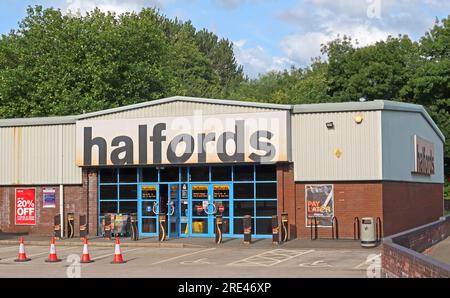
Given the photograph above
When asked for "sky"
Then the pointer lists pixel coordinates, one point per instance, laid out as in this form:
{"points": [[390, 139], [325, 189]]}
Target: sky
{"points": [[270, 34]]}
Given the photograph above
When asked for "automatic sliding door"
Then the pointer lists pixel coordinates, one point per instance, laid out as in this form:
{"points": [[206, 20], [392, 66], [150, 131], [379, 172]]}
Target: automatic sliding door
{"points": [[173, 211], [199, 210], [148, 210]]}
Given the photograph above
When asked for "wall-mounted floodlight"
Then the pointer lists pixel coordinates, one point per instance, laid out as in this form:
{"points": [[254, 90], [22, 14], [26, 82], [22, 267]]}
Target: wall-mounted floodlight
{"points": [[330, 125], [358, 118]]}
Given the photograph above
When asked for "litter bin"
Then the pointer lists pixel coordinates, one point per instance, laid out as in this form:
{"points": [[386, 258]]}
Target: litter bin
{"points": [[368, 232]]}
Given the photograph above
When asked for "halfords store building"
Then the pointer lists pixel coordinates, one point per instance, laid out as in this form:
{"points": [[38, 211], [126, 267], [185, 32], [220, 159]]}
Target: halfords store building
{"points": [[191, 159]]}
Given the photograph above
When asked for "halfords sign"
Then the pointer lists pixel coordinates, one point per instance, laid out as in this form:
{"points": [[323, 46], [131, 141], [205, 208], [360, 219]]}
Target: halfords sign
{"points": [[424, 156], [226, 138]]}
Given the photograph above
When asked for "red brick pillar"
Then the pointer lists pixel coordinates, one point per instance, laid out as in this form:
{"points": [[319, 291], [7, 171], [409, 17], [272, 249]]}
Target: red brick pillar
{"points": [[92, 201], [286, 195]]}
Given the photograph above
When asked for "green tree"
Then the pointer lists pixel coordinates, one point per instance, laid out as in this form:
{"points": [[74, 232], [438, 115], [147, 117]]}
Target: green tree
{"points": [[308, 85], [375, 72], [57, 64]]}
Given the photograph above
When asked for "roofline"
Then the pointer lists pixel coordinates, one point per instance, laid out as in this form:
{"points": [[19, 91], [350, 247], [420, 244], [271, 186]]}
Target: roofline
{"points": [[186, 99], [296, 109], [38, 121], [376, 105]]}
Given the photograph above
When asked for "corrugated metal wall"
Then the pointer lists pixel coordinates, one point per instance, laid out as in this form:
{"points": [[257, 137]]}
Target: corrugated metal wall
{"points": [[181, 108], [399, 129], [38, 155], [45, 154], [314, 145]]}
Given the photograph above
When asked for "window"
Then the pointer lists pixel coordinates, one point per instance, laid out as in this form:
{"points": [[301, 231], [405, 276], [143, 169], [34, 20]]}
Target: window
{"points": [[128, 192], [266, 172], [108, 207], [128, 175], [263, 226], [199, 173], [183, 173], [149, 175], [266, 208], [108, 176], [266, 190], [243, 173], [128, 207], [242, 208], [169, 175], [221, 173], [108, 192], [243, 191]]}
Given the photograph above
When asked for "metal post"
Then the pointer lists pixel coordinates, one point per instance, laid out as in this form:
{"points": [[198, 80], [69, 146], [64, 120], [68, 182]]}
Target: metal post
{"points": [[134, 227], [219, 223], [275, 230], [57, 226], [247, 229], [162, 227], [285, 227], [70, 225], [83, 226]]}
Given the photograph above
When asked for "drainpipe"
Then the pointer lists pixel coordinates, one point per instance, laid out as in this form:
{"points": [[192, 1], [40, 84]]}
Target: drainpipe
{"points": [[60, 178], [61, 208]]}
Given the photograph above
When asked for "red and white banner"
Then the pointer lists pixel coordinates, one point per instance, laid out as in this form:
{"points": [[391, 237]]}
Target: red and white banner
{"points": [[25, 206]]}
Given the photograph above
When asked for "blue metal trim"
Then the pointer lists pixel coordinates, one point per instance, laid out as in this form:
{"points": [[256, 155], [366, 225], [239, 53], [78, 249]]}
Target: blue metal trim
{"points": [[189, 184]]}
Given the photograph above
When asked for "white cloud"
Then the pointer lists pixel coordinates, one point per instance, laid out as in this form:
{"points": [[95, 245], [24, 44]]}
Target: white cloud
{"points": [[253, 59], [256, 60], [280, 63], [117, 6], [315, 22], [302, 47], [230, 3]]}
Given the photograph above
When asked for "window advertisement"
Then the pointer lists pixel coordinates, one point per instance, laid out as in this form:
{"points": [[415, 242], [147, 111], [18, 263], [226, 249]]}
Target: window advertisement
{"points": [[25, 206], [49, 198], [319, 200]]}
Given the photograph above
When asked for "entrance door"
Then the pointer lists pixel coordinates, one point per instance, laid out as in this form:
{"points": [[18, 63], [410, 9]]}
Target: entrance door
{"points": [[148, 209], [206, 201], [173, 210], [222, 203]]}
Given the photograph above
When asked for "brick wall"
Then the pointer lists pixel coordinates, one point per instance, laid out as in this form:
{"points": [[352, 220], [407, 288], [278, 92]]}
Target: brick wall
{"points": [[44, 216], [399, 205], [401, 253], [78, 199], [350, 200], [408, 205]]}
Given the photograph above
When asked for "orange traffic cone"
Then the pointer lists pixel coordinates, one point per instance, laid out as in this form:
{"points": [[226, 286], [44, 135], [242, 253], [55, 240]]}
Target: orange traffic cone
{"points": [[52, 258], [85, 257], [118, 253], [22, 255]]}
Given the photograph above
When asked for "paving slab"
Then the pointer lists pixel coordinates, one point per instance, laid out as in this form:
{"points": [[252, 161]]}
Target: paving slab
{"points": [[440, 251]]}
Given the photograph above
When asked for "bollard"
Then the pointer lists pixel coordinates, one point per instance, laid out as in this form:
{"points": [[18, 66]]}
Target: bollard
{"points": [[275, 230], [219, 223], [83, 227], [162, 227], [285, 226], [107, 226], [70, 225], [247, 222], [57, 227], [134, 227]]}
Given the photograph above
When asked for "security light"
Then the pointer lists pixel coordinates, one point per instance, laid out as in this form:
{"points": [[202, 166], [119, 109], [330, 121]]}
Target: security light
{"points": [[330, 125]]}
